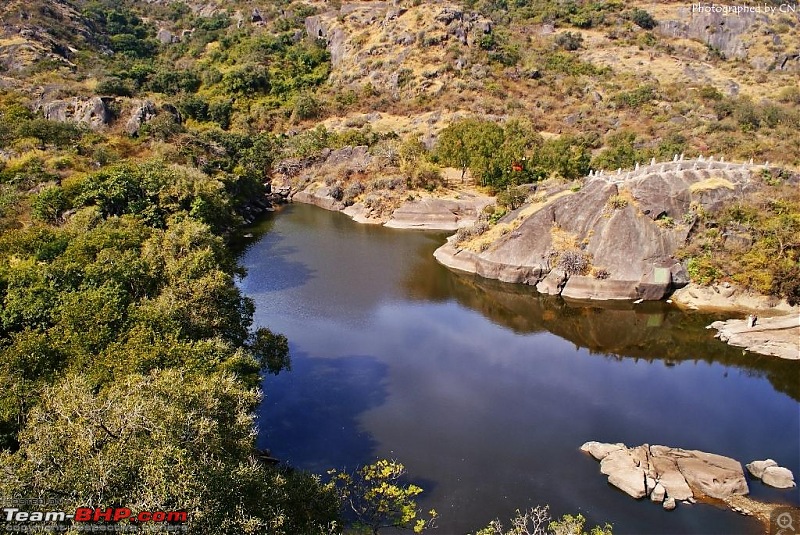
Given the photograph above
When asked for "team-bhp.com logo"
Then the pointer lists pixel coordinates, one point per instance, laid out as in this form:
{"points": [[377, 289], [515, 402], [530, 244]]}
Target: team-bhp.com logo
{"points": [[90, 518]]}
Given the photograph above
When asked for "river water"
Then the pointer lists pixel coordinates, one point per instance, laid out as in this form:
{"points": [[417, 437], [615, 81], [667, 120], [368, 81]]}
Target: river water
{"points": [[485, 391]]}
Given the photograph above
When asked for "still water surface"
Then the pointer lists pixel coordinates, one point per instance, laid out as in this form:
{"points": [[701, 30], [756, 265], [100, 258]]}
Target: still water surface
{"points": [[485, 391]]}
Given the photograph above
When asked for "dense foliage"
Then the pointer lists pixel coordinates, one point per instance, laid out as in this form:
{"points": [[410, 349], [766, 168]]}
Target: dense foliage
{"points": [[754, 242], [510, 154]]}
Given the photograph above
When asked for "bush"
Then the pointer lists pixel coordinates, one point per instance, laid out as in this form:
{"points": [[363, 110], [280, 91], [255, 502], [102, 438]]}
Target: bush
{"points": [[569, 40], [307, 106], [425, 175], [574, 262], [786, 284], [48, 204], [617, 202], [113, 85], [643, 19], [512, 198]]}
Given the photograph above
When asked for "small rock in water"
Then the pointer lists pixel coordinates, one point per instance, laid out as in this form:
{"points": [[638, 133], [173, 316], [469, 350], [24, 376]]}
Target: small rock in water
{"points": [[757, 467], [669, 504], [658, 494], [778, 477]]}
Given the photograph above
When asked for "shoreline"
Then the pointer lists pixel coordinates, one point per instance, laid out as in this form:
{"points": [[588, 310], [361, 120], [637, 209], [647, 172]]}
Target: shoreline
{"points": [[436, 213]]}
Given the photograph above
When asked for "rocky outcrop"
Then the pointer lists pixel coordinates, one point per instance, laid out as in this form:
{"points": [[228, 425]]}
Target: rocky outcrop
{"points": [[624, 227], [668, 474], [438, 214], [723, 33], [91, 111], [779, 336], [404, 39], [142, 112], [771, 474]]}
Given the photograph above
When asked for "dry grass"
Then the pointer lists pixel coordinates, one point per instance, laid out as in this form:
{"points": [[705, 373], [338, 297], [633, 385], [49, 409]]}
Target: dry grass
{"points": [[712, 183]]}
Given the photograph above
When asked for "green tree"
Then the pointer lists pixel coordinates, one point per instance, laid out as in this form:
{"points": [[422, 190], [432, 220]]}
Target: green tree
{"points": [[472, 144], [377, 498], [164, 441]]}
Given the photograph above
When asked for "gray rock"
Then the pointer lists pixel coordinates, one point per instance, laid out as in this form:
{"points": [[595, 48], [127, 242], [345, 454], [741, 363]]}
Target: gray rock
{"points": [[778, 477], [778, 336], [166, 37], [661, 471], [91, 111], [669, 504], [143, 111], [553, 283]]}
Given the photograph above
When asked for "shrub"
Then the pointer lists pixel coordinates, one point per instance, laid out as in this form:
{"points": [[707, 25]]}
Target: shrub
{"points": [[512, 198], [601, 274], [617, 202], [574, 262], [425, 175], [643, 19], [113, 85], [306, 106], [569, 40], [48, 204], [786, 284], [703, 271]]}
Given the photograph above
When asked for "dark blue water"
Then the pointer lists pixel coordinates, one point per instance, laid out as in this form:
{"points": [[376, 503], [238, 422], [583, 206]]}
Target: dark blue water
{"points": [[486, 391]]}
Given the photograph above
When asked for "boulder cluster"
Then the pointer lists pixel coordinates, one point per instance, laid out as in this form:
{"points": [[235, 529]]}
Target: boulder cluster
{"points": [[669, 475]]}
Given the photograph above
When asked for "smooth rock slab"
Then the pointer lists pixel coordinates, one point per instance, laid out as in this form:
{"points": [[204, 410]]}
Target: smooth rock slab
{"points": [[713, 475]]}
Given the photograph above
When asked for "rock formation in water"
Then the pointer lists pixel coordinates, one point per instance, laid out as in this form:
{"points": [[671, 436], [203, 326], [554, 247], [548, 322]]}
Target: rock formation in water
{"points": [[668, 475], [616, 237]]}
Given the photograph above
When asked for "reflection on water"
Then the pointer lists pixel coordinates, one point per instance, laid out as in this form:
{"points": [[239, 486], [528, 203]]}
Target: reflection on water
{"points": [[485, 391]]}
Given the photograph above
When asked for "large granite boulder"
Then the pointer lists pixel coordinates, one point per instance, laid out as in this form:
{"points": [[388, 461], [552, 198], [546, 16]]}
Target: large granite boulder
{"points": [[628, 225], [756, 468]]}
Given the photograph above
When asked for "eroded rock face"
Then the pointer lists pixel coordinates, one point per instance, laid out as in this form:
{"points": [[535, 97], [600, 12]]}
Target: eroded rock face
{"points": [[91, 111], [668, 474]]}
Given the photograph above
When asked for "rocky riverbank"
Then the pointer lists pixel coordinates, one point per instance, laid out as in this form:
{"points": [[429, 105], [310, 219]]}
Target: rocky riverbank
{"points": [[778, 336], [422, 212]]}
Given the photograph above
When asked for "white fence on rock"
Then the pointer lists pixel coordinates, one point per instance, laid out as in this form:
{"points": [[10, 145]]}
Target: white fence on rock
{"points": [[676, 165]]}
